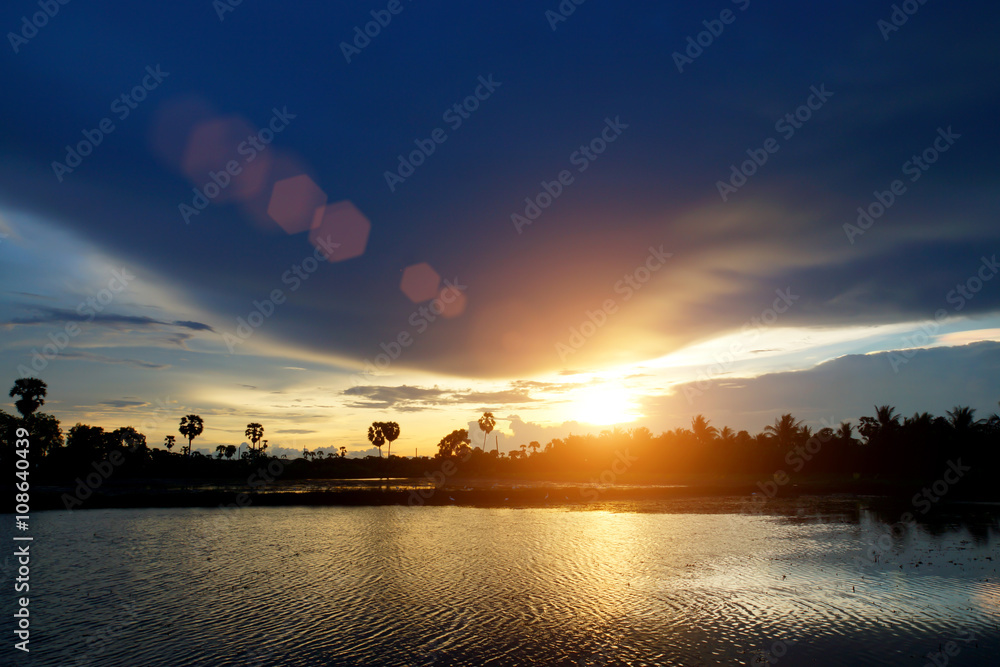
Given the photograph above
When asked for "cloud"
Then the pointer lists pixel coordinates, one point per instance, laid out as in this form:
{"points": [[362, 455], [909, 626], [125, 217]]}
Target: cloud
{"points": [[46, 315], [124, 404], [934, 379], [100, 358], [414, 399]]}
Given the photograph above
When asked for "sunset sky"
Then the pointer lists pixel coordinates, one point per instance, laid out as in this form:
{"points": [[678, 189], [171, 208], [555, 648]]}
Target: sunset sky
{"points": [[639, 292]]}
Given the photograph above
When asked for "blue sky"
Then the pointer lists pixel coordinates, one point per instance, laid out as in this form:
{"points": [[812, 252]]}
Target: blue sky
{"points": [[591, 121]]}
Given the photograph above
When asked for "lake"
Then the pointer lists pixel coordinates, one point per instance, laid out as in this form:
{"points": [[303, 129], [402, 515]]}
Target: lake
{"points": [[801, 583]]}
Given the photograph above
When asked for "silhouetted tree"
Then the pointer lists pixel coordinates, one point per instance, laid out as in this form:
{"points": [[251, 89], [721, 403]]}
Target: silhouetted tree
{"points": [[376, 437], [230, 451], [32, 393], [128, 438], [845, 433], [255, 432], [169, 442], [343, 452], [486, 423], [451, 443], [963, 420], [191, 427], [785, 430], [703, 433], [391, 431]]}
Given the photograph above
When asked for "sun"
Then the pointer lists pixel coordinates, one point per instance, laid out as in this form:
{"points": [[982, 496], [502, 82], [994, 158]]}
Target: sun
{"points": [[603, 405]]}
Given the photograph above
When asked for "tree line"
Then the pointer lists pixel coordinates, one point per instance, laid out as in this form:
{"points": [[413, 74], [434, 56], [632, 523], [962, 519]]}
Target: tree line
{"points": [[884, 445]]}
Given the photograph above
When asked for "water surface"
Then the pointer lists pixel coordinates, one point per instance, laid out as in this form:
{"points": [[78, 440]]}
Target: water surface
{"points": [[476, 586]]}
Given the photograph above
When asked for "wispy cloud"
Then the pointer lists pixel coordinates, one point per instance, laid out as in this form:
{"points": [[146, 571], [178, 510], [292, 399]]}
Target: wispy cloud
{"points": [[100, 358]]}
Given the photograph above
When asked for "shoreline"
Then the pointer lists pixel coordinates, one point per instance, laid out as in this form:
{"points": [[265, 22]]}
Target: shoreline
{"points": [[474, 493]]}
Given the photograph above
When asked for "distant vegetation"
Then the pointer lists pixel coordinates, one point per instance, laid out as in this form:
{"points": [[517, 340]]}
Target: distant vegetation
{"points": [[884, 446]]}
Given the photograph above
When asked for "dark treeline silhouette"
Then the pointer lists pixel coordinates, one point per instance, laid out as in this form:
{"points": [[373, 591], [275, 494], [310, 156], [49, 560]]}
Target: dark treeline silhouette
{"points": [[884, 447]]}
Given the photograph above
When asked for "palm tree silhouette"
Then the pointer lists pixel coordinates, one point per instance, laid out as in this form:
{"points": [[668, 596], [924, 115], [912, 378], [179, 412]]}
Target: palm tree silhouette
{"points": [[963, 420], [169, 442], [703, 433], [220, 451], [376, 437], [254, 432], [784, 430], [191, 427], [32, 393], [343, 451], [230, 451], [486, 423], [886, 416], [845, 432], [391, 431], [534, 445]]}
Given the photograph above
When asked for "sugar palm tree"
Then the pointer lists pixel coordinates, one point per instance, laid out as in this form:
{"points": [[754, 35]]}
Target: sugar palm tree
{"points": [[32, 395], [391, 431], [169, 442], [486, 423], [343, 451], [191, 427], [220, 451], [254, 432], [376, 437]]}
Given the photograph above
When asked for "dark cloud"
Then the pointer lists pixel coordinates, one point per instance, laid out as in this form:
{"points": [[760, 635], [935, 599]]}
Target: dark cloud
{"points": [[87, 314], [100, 358], [526, 292], [124, 404], [414, 399], [934, 379]]}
